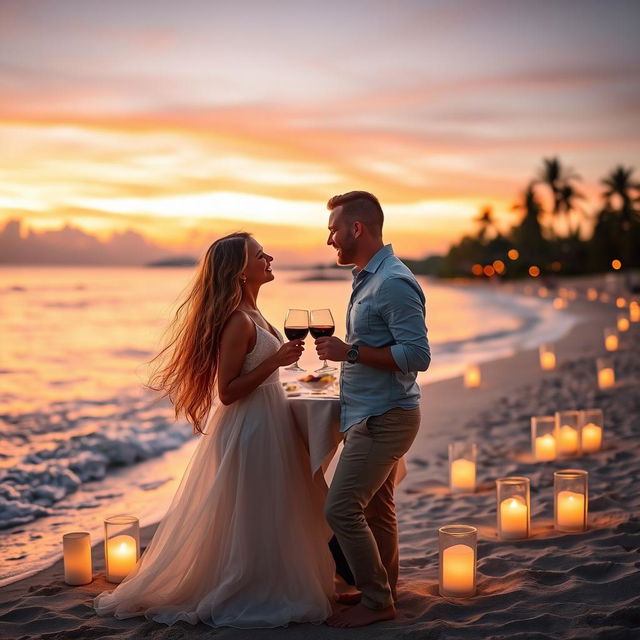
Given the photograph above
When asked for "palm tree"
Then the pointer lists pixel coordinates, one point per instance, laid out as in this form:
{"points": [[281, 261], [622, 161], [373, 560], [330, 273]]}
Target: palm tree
{"points": [[624, 218], [619, 184], [485, 222], [559, 180], [528, 236]]}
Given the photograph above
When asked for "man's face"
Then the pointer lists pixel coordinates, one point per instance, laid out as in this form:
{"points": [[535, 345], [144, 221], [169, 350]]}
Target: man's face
{"points": [[341, 237]]}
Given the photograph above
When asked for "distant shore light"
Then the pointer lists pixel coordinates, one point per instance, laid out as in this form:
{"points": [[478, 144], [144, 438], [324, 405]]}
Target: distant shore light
{"points": [[556, 266], [534, 271], [489, 271], [476, 269], [616, 264], [513, 254], [498, 265]]}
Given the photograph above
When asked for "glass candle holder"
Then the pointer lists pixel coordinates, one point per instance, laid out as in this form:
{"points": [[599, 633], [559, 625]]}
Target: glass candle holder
{"points": [[513, 507], [458, 544], [634, 311], [568, 432], [76, 551], [472, 376], [611, 339], [571, 498], [121, 546], [462, 467], [606, 373], [621, 302], [592, 425], [592, 294], [543, 438], [547, 357], [623, 322]]}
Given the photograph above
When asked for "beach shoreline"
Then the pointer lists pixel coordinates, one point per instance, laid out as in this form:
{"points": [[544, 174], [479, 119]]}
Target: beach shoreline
{"points": [[42, 606]]}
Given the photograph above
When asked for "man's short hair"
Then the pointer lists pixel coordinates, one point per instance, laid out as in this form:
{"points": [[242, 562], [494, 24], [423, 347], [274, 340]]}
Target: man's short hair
{"points": [[361, 206]]}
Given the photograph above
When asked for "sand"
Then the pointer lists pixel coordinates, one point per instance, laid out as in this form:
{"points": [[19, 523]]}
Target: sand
{"points": [[552, 585]]}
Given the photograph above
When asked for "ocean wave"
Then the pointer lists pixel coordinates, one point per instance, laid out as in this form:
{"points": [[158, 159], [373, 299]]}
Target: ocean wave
{"points": [[50, 455]]}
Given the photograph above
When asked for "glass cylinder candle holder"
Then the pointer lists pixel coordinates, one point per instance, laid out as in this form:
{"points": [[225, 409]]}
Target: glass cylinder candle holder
{"points": [[592, 294], [623, 322], [458, 545], [513, 507], [571, 493], [611, 339], [462, 467], [121, 546], [606, 373], [76, 552], [591, 432], [472, 376], [621, 302], [568, 432], [634, 311], [543, 438], [547, 357]]}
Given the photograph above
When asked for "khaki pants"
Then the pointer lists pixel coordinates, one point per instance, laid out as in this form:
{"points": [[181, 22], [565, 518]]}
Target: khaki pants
{"points": [[360, 507]]}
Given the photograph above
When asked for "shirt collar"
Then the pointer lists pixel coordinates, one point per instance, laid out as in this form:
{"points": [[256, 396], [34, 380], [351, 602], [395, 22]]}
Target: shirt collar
{"points": [[374, 264]]}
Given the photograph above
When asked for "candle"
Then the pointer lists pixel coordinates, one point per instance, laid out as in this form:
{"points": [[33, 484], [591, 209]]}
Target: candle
{"points": [[591, 437], [611, 342], [570, 511], [463, 475], [514, 518], [121, 557], [472, 376], [76, 550], [634, 311], [567, 439], [606, 378], [547, 360], [592, 294], [545, 448], [458, 570], [623, 323]]}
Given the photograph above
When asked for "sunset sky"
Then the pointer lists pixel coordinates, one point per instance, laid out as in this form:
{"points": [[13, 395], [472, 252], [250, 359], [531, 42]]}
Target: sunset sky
{"points": [[185, 120]]}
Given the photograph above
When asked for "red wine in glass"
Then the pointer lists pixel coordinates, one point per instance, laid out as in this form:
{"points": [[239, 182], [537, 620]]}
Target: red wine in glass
{"points": [[321, 325], [296, 327], [321, 332], [296, 333]]}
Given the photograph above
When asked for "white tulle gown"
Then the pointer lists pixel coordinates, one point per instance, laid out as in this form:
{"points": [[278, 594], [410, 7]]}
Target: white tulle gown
{"points": [[244, 542]]}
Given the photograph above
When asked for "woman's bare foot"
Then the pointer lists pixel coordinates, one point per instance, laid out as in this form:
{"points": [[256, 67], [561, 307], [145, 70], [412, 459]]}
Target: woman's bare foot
{"points": [[352, 597], [361, 616]]}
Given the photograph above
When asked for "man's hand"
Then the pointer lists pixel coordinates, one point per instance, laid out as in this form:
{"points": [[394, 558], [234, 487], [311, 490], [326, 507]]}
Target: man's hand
{"points": [[332, 349]]}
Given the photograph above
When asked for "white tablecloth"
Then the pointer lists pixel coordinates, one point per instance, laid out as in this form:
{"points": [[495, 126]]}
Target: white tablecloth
{"points": [[318, 421]]}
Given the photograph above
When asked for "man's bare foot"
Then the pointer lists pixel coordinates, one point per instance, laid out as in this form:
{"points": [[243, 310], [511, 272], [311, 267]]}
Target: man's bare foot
{"points": [[361, 616], [337, 607], [351, 597]]}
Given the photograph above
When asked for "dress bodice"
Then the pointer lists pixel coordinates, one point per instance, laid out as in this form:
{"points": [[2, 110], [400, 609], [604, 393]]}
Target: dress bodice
{"points": [[266, 345]]}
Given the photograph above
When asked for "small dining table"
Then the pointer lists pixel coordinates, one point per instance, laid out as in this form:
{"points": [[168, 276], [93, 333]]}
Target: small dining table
{"points": [[317, 418]]}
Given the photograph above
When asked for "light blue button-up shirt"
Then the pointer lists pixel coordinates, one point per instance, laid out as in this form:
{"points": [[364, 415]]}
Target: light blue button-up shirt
{"points": [[387, 308]]}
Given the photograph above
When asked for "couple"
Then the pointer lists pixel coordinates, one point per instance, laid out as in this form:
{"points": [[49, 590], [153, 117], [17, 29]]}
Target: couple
{"points": [[244, 542]]}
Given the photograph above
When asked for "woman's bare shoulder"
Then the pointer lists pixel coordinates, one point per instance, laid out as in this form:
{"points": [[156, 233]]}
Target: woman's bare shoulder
{"points": [[238, 325]]}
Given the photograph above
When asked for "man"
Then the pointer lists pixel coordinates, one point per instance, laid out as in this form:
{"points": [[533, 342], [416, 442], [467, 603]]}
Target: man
{"points": [[386, 345]]}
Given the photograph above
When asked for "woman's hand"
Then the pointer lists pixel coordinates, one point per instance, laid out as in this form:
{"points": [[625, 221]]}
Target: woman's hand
{"points": [[289, 352]]}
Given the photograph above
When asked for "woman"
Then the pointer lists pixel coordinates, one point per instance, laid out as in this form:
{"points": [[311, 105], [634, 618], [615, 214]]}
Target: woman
{"points": [[244, 543]]}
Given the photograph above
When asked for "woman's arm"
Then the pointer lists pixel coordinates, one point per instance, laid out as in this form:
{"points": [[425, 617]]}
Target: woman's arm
{"points": [[236, 340]]}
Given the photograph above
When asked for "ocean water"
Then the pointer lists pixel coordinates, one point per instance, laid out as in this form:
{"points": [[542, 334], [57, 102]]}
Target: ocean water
{"points": [[81, 438]]}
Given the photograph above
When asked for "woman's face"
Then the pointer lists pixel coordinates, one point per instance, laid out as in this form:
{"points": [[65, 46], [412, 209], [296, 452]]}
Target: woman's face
{"points": [[258, 269]]}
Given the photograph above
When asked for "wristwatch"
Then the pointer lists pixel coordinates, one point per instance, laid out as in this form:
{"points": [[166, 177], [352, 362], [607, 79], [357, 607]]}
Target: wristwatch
{"points": [[353, 354]]}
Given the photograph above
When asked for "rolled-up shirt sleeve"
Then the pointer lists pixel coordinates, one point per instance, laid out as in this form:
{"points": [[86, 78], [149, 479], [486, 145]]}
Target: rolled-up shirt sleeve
{"points": [[402, 307]]}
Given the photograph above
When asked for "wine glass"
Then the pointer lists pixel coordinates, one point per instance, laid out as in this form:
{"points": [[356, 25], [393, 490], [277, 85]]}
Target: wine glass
{"points": [[321, 325], [296, 327]]}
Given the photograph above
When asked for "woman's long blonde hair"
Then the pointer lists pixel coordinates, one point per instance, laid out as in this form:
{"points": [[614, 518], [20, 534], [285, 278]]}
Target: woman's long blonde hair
{"points": [[187, 366]]}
